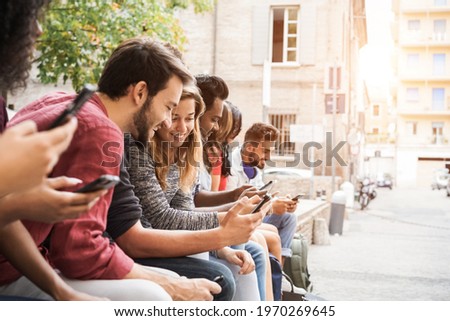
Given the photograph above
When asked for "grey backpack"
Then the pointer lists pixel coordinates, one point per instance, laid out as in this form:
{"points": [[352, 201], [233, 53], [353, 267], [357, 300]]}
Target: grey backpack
{"points": [[297, 265]]}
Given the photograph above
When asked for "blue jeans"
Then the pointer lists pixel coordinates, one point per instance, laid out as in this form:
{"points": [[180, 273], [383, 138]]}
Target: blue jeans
{"points": [[286, 225], [197, 268], [258, 254]]}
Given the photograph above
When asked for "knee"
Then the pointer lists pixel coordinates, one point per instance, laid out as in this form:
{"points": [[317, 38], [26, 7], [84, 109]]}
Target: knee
{"points": [[228, 285], [291, 221], [143, 290]]}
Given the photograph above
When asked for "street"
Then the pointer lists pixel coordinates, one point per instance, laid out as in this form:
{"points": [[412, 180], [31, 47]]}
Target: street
{"points": [[397, 249]]}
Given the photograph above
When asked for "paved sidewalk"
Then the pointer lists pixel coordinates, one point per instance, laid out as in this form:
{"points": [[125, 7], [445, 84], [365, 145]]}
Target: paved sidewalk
{"points": [[399, 249]]}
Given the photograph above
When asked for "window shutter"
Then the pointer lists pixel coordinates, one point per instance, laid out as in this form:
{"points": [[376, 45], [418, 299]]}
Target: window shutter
{"points": [[260, 34], [308, 20]]}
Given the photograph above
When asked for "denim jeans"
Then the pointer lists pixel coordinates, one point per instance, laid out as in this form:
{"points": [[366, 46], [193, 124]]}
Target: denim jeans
{"points": [[259, 256], [197, 268], [246, 284], [286, 225]]}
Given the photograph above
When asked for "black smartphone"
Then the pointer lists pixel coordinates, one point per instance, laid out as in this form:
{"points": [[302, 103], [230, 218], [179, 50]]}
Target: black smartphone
{"points": [[75, 106], [218, 279], [266, 198], [103, 182], [297, 197], [265, 186]]}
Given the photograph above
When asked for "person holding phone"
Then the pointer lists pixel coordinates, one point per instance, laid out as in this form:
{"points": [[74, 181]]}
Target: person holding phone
{"points": [[165, 194], [247, 163], [140, 84], [27, 158], [229, 128]]}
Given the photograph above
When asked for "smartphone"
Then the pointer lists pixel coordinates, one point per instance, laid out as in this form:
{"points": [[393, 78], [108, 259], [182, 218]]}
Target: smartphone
{"points": [[218, 279], [103, 182], [297, 197], [266, 198], [265, 186], [75, 106]]}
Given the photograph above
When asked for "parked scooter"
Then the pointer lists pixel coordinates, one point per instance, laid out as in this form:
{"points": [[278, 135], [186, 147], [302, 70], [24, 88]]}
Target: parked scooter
{"points": [[441, 178], [367, 192]]}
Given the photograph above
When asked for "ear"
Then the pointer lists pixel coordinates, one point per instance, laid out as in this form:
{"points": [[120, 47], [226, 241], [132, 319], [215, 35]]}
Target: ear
{"points": [[249, 148], [140, 93]]}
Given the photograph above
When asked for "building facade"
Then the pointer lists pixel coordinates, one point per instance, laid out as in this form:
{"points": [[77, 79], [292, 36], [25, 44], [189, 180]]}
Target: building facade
{"points": [[278, 57], [422, 94]]}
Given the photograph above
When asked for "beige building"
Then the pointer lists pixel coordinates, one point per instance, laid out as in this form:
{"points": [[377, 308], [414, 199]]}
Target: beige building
{"points": [[422, 94], [299, 41], [380, 138]]}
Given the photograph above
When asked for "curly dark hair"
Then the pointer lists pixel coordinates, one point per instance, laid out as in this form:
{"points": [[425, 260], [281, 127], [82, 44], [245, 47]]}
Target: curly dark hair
{"points": [[18, 32]]}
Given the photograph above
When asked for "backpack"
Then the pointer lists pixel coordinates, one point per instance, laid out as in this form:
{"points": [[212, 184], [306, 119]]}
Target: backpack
{"points": [[296, 267], [277, 275]]}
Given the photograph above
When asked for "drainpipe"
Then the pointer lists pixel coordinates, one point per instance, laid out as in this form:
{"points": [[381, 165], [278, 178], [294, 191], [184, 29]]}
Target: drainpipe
{"points": [[214, 49]]}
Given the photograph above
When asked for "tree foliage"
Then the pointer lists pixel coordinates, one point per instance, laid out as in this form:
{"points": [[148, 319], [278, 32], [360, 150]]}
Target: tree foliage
{"points": [[79, 35]]}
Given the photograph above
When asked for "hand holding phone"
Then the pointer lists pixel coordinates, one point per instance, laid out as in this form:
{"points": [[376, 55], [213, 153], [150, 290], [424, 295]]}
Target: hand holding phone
{"points": [[297, 197], [75, 106], [266, 198], [103, 182]]}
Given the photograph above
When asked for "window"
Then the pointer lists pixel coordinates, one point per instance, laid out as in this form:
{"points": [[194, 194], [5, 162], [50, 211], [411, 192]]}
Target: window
{"points": [[283, 122], [285, 34], [376, 110], [438, 64], [438, 102], [411, 128], [440, 26], [412, 94], [437, 129], [439, 29], [413, 60], [440, 2], [413, 25]]}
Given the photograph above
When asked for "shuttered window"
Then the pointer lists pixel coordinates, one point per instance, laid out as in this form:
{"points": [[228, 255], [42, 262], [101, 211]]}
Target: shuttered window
{"points": [[284, 34]]}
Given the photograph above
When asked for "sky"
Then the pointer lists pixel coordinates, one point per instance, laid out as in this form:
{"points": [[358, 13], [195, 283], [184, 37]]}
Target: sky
{"points": [[376, 56]]}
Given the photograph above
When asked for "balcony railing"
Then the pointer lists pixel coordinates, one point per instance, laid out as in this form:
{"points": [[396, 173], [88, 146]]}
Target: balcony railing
{"points": [[421, 6], [379, 139]]}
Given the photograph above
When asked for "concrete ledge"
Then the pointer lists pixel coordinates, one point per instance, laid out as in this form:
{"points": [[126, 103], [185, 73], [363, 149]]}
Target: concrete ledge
{"points": [[307, 211]]}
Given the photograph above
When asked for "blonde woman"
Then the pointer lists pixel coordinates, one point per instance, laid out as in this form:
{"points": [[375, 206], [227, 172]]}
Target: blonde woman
{"points": [[164, 188]]}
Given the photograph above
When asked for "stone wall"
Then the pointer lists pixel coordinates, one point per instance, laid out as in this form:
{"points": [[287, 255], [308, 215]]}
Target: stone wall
{"points": [[295, 185], [307, 213]]}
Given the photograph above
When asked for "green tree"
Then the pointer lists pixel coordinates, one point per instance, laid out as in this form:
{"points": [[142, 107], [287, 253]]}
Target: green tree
{"points": [[79, 35]]}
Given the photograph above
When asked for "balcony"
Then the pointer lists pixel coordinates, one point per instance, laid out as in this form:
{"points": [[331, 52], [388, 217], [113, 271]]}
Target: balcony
{"points": [[422, 110], [379, 139], [424, 74], [422, 6], [424, 39]]}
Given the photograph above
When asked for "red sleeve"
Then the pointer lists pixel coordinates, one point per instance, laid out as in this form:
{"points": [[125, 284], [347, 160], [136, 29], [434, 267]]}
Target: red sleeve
{"points": [[78, 247], [216, 162]]}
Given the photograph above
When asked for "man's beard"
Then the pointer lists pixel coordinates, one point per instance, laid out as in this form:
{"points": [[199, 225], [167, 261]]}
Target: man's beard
{"points": [[141, 124]]}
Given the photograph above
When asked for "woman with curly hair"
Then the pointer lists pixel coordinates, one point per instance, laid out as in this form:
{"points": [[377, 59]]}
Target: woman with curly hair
{"points": [[19, 29], [24, 192]]}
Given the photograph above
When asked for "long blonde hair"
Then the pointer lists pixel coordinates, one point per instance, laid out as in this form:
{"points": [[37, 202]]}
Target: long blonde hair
{"points": [[189, 155]]}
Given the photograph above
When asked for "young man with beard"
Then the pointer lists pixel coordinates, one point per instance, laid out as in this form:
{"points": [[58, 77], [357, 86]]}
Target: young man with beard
{"points": [[140, 84], [246, 165]]}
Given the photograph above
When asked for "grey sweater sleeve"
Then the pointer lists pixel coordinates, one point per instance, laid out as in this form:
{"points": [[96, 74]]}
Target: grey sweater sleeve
{"points": [[155, 208]]}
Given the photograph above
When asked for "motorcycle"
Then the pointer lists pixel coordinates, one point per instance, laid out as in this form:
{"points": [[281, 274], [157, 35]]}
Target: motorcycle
{"points": [[367, 192]]}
